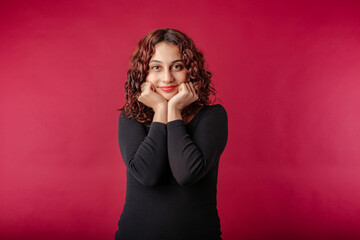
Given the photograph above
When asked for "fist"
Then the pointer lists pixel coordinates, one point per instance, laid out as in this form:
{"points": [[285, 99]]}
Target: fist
{"points": [[150, 97], [184, 97]]}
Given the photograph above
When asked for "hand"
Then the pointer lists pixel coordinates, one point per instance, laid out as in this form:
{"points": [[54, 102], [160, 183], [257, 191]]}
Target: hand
{"points": [[184, 97], [149, 97]]}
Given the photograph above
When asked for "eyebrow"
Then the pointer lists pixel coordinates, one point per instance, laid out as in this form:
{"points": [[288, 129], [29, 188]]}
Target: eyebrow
{"points": [[178, 60]]}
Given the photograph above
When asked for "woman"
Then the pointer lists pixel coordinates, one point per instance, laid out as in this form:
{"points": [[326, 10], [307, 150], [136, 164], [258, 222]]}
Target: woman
{"points": [[171, 139]]}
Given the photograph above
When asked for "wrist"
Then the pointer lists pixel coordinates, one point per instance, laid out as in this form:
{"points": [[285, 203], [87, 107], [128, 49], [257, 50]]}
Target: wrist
{"points": [[174, 107], [173, 113], [160, 107], [160, 113]]}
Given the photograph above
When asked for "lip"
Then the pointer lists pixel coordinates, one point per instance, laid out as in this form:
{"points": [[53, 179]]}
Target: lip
{"points": [[168, 88]]}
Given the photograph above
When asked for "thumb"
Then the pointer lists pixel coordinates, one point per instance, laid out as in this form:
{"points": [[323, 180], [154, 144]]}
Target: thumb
{"points": [[181, 87], [152, 87]]}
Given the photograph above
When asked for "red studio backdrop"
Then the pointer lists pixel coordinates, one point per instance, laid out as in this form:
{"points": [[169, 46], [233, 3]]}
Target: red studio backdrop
{"points": [[287, 72]]}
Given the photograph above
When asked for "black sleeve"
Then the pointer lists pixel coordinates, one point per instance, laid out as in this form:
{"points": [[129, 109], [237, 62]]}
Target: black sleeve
{"points": [[144, 154], [192, 158]]}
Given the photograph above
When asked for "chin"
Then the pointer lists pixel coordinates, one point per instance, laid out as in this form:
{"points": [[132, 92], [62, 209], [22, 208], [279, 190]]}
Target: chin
{"points": [[167, 97]]}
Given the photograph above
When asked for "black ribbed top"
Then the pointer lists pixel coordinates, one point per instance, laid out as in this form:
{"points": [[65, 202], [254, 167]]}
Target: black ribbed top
{"points": [[172, 176]]}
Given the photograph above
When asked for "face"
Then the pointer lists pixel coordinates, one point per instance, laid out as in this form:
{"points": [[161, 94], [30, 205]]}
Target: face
{"points": [[166, 70]]}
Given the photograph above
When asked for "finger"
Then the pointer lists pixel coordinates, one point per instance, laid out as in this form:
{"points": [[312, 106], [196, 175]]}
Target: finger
{"points": [[152, 87], [182, 87], [146, 86], [143, 86], [193, 89], [139, 98], [188, 90], [197, 97]]}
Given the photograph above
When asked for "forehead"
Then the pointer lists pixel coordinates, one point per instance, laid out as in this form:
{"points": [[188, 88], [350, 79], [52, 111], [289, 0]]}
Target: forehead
{"points": [[166, 52]]}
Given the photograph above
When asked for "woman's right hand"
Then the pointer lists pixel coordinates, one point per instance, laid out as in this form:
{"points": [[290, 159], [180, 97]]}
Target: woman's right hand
{"points": [[151, 98]]}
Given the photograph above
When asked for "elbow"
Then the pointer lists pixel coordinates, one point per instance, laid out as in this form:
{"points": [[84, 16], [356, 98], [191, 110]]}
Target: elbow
{"points": [[148, 177], [184, 183], [187, 176], [185, 180], [149, 182]]}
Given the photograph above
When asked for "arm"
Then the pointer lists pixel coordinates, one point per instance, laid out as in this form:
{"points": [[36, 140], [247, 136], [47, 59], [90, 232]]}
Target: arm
{"points": [[192, 158], [144, 155]]}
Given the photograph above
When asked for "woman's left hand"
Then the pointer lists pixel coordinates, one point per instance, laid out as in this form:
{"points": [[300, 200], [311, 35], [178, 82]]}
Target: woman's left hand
{"points": [[184, 97]]}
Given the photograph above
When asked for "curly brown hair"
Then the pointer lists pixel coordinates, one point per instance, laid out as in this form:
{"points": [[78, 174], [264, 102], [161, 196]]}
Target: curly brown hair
{"points": [[139, 67]]}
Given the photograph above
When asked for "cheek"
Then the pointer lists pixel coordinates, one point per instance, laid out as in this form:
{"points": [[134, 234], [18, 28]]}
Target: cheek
{"points": [[181, 77], [150, 78]]}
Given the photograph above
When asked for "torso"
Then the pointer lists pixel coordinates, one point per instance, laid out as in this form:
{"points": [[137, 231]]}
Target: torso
{"points": [[189, 118], [168, 210]]}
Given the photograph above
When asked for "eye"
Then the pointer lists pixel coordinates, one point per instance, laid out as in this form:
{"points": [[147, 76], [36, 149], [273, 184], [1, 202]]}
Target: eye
{"points": [[178, 67], [155, 67]]}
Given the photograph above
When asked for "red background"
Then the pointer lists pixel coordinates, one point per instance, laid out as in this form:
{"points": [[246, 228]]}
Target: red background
{"points": [[287, 72]]}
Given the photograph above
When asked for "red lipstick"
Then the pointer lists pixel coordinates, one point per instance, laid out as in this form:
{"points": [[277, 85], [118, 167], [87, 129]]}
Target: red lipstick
{"points": [[168, 88]]}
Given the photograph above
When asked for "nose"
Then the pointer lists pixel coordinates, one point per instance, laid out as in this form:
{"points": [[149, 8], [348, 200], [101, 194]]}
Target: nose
{"points": [[167, 76]]}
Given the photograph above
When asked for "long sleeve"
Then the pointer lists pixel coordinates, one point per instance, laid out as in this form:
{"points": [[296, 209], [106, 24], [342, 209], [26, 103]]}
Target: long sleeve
{"points": [[144, 154], [191, 158]]}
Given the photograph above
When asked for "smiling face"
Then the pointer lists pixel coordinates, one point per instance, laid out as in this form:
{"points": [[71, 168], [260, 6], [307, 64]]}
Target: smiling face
{"points": [[166, 70]]}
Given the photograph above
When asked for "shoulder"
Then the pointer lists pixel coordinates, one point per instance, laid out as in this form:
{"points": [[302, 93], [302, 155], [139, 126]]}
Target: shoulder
{"points": [[216, 107], [213, 119], [215, 110], [123, 116], [214, 115], [126, 119]]}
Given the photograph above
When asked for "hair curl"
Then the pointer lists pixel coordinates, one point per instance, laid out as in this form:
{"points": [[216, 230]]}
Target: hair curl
{"points": [[139, 67]]}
